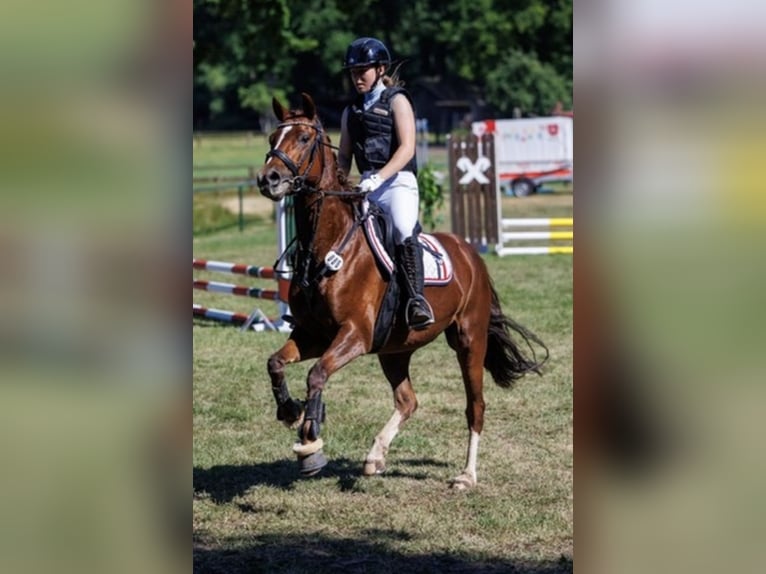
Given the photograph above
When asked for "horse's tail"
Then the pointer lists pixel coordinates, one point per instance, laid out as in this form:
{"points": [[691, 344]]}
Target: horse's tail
{"points": [[505, 360]]}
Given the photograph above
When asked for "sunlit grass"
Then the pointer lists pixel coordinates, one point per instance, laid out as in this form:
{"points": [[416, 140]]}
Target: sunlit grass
{"points": [[253, 514]]}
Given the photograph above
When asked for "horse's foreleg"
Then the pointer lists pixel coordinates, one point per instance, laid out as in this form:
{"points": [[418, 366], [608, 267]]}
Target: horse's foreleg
{"points": [[396, 369], [289, 410], [346, 346]]}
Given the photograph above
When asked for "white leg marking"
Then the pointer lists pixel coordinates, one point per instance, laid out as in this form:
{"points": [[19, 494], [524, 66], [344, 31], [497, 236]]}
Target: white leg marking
{"points": [[376, 458], [473, 453], [282, 135], [467, 479]]}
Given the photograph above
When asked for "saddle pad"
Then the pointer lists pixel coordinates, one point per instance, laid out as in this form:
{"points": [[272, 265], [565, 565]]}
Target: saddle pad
{"points": [[437, 269], [437, 265]]}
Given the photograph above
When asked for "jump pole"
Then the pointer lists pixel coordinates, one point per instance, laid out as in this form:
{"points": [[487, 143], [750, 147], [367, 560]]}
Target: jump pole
{"points": [[283, 273], [553, 222]]}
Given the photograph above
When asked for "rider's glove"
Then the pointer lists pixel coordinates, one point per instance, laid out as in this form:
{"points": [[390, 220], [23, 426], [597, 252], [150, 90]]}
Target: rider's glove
{"points": [[370, 183]]}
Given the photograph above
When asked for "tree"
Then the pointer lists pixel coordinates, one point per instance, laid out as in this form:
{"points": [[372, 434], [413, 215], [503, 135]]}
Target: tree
{"points": [[243, 50], [511, 53], [521, 80]]}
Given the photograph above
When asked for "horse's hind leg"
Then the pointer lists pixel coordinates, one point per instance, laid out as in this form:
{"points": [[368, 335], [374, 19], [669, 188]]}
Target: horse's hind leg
{"points": [[396, 368], [470, 349]]}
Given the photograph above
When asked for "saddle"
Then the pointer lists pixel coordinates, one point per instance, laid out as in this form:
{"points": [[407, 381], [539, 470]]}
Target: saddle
{"points": [[437, 267]]}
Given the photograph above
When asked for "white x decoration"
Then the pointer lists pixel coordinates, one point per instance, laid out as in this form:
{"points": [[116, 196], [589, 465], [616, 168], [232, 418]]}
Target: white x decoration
{"points": [[473, 171]]}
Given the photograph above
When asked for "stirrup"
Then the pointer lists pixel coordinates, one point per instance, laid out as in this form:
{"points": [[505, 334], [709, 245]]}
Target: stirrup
{"points": [[419, 306]]}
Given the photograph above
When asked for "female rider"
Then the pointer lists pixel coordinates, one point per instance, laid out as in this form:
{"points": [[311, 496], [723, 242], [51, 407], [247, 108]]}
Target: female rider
{"points": [[378, 131]]}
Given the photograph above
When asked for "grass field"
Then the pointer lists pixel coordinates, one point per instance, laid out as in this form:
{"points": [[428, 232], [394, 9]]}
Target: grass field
{"points": [[253, 514]]}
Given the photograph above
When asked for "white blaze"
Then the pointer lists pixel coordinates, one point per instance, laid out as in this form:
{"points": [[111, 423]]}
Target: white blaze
{"points": [[282, 135]]}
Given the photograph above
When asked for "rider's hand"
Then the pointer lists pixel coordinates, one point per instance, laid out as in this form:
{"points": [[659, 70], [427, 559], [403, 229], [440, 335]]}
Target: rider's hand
{"points": [[370, 183]]}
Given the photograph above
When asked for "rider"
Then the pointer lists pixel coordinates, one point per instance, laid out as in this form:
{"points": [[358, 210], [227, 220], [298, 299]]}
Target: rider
{"points": [[378, 130]]}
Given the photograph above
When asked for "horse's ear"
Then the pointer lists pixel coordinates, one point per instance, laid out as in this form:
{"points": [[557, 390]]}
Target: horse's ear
{"points": [[309, 108], [279, 110]]}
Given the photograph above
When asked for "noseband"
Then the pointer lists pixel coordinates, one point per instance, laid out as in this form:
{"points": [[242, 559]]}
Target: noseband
{"points": [[299, 179]]}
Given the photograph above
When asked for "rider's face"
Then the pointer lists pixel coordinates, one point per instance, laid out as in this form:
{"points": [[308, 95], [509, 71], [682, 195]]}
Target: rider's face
{"points": [[364, 78]]}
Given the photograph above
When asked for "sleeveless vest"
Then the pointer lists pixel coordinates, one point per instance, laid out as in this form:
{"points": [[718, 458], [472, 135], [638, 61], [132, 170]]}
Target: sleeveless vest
{"points": [[372, 132]]}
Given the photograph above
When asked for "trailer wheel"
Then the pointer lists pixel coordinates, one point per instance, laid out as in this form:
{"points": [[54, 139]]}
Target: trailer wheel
{"points": [[523, 187]]}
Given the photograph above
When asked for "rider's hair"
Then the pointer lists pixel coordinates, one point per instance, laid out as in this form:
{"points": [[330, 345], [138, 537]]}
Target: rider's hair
{"points": [[392, 78]]}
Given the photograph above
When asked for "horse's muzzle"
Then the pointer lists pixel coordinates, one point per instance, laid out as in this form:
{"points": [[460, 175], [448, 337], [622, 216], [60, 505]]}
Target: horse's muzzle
{"points": [[271, 184]]}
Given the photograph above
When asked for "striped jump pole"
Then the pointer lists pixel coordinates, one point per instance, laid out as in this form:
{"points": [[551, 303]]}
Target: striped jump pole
{"points": [[282, 279], [257, 320], [536, 235], [542, 250], [234, 268], [231, 289], [539, 222], [511, 235], [218, 315]]}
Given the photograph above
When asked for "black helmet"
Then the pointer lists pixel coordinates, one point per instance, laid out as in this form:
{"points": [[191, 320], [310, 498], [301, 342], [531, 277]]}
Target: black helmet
{"points": [[364, 52]]}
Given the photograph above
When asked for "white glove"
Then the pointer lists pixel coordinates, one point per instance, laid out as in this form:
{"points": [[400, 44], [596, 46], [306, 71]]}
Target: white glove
{"points": [[370, 183]]}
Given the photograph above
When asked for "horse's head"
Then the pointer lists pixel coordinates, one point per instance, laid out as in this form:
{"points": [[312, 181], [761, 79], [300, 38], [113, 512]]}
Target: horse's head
{"points": [[295, 160]]}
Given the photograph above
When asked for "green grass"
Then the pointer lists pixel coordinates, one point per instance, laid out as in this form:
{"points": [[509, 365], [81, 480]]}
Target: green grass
{"points": [[229, 150], [253, 514]]}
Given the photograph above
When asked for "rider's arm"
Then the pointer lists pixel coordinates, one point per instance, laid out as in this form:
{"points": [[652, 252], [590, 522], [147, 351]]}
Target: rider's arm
{"points": [[344, 148]]}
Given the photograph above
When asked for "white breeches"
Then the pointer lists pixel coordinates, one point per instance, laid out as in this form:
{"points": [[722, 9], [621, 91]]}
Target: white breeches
{"points": [[398, 196]]}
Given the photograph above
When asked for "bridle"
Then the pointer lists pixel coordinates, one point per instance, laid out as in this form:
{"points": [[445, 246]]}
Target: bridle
{"points": [[307, 275], [298, 181]]}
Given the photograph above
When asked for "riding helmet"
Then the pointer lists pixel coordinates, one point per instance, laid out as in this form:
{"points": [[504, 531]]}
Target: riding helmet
{"points": [[364, 52]]}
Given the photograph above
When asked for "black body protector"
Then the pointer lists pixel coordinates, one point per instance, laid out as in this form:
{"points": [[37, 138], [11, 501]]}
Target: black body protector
{"points": [[374, 142], [372, 132]]}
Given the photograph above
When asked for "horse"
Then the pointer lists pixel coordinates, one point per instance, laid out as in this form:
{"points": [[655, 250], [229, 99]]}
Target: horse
{"points": [[337, 290]]}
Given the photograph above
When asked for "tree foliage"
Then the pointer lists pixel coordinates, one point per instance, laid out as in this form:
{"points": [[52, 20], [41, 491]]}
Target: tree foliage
{"points": [[508, 53]]}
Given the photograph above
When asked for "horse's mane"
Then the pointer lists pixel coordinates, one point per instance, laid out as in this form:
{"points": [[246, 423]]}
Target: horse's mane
{"points": [[331, 155], [342, 178]]}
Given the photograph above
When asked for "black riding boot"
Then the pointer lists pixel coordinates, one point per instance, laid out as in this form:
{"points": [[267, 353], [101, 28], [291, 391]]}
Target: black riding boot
{"points": [[419, 313]]}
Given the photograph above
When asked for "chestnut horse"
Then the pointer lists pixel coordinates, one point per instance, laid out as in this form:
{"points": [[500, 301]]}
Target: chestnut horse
{"points": [[335, 299]]}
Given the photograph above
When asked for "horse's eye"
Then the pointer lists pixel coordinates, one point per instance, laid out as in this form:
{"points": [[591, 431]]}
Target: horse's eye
{"points": [[305, 138]]}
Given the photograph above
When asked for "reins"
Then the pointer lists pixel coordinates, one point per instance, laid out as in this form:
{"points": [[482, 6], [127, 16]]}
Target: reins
{"points": [[333, 261]]}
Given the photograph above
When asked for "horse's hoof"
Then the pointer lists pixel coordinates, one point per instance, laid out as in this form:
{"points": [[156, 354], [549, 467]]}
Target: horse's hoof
{"points": [[312, 464], [463, 482], [291, 414], [373, 467], [295, 423], [310, 457]]}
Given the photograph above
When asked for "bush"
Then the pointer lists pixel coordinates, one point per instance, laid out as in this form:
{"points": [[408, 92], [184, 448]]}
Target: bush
{"points": [[431, 197]]}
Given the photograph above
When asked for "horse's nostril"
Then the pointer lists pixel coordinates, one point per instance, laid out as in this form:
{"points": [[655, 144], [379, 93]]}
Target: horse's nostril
{"points": [[270, 178]]}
